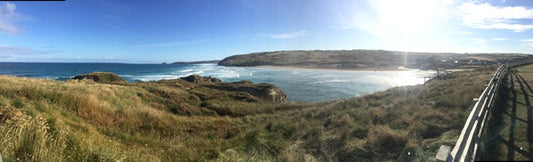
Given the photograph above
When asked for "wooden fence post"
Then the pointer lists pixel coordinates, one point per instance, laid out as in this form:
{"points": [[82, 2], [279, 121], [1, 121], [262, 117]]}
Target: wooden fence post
{"points": [[444, 153]]}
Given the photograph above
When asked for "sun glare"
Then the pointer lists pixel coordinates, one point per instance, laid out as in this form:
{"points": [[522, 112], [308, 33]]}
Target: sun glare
{"points": [[405, 20], [404, 25], [404, 16]]}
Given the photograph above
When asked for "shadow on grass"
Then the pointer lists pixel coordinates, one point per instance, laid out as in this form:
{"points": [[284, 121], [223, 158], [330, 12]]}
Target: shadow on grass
{"points": [[523, 82], [490, 144]]}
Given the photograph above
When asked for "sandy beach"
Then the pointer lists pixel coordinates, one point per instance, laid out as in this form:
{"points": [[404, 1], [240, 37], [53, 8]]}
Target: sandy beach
{"points": [[340, 69]]}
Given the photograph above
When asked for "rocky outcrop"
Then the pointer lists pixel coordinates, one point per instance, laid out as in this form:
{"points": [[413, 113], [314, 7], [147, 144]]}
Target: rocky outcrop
{"points": [[243, 91], [100, 77], [268, 92], [244, 82], [200, 79], [264, 91]]}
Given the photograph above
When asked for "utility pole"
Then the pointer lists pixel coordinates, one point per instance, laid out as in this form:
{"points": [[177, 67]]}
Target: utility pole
{"points": [[438, 75]]}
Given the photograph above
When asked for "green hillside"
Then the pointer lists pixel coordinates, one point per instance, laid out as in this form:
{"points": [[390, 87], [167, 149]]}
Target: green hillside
{"points": [[368, 59]]}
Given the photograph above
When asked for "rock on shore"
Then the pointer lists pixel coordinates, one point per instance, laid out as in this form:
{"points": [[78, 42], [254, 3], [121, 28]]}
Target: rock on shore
{"points": [[264, 91], [100, 77]]}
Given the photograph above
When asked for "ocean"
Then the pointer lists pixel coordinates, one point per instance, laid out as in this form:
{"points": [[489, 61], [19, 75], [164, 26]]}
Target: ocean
{"points": [[307, 85]]}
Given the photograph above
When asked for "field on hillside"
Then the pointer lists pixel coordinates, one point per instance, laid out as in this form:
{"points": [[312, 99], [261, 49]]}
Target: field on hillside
{"points": [[369, 59], [47, 120]]}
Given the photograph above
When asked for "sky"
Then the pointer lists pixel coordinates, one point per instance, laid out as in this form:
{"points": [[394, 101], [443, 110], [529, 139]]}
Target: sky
{"points": [[155, 31]]}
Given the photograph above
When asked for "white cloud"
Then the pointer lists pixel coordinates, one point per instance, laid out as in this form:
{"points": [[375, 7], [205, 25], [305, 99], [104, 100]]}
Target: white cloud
{"points": [[486, 16], [11, 51], [289, 35], [7, 16]]}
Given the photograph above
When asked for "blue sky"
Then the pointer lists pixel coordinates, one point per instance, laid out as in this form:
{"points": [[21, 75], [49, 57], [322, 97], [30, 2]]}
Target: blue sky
{"points": [[143, 31]]}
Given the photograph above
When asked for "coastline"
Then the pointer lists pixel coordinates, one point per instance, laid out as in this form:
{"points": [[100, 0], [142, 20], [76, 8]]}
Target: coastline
{"points": [[335, 69]]}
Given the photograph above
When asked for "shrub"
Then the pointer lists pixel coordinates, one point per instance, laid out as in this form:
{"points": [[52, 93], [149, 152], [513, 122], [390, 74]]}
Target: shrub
{"points": [[17, 103], [386, 141]]}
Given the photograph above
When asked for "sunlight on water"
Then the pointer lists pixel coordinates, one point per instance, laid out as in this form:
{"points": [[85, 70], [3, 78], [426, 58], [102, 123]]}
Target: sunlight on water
{"points": [[411, 77], [322, 85]]}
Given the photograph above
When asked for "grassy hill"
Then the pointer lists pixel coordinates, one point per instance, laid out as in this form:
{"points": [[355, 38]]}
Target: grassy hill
{"points": [[178, 120], [326, 59], [362, 59]]}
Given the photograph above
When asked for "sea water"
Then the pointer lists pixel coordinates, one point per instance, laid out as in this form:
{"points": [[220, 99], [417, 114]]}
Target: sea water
{"points": [[299, 84]]}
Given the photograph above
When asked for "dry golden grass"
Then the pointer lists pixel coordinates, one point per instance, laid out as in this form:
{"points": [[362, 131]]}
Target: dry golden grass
{"points": [[103, 121]]}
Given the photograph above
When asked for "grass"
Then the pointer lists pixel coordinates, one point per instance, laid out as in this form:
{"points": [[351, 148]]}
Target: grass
{"points": [[507, 136], [46, 120]]}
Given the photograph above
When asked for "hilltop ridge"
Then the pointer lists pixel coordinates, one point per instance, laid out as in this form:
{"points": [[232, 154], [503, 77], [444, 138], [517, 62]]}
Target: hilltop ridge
{"points": [[368, 59]]}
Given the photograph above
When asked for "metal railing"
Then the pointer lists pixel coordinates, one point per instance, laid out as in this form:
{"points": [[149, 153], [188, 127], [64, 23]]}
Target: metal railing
{"points": [[466, 146]]}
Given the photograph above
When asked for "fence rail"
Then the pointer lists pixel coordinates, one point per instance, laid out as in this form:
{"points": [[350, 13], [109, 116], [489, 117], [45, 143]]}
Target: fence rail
{"points": [[466, 146]]}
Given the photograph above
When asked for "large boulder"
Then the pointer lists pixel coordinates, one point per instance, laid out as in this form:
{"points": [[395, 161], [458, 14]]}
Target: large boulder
{"points": [[200, 79], [264, 91], [268, 92], [100, 77]]}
